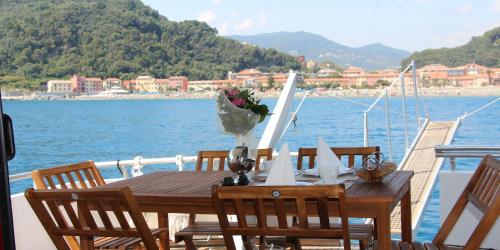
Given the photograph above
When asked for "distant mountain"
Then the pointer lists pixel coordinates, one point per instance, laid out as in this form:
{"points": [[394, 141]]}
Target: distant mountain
{"points": [[483, 50], [371, 57], [121, 38]]}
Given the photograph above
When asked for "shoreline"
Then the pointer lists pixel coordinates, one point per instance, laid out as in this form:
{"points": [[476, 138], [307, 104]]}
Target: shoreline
{"points": [[347, 93]]}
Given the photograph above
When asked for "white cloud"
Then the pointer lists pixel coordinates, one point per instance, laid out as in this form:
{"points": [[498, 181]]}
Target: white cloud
{"points": [[207, 16], [235, 13], [216, 1], [464, 8], [495, 5], [223, 28], [244, 25]]}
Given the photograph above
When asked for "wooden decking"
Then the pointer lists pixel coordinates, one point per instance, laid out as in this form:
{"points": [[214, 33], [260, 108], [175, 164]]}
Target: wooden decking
{"points": [[426, 166]]}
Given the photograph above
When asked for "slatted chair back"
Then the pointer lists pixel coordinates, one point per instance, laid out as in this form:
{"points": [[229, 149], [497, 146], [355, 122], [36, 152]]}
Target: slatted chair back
{"points": [[265, 201], [263, 153], [211, 156], [483, 192], [351, 152], [74, 176], [60, 217]]}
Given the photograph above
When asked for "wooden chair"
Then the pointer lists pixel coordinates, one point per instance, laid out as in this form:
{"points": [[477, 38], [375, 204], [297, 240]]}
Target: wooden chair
{"points": [[220, 155], [351, 152], [266, 153], [280, 202], [57, 211], [210, 228], [81, 175], [483, 192]]}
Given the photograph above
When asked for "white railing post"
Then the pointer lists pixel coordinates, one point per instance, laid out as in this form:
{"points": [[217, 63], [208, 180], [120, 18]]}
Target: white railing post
{"points": [[179, 161], [123, 170], [415, 89], [137, 166], [365, 131], [405, 122], [453, 164], [388, 120]]}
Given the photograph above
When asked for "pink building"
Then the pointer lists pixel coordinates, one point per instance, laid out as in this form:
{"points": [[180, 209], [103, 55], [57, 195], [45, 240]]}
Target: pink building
{"points": [[179, 82], [82, 85]]}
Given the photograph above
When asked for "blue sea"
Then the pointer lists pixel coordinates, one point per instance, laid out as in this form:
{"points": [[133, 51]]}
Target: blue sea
{"points": [[51, 133]]}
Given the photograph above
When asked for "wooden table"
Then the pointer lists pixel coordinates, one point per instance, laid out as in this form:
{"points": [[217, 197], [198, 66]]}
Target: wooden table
{"points": [[189, 192]]}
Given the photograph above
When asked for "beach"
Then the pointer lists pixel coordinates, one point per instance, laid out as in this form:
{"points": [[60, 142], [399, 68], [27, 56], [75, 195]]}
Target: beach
{"points": [[320, 93]]}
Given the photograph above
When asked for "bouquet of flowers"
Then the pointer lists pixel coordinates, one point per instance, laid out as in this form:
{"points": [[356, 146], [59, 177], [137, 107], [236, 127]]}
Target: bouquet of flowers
{"points": [[239, 111]]}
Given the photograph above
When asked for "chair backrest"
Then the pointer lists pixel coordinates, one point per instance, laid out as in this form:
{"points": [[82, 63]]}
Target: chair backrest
{"points": [[280, 202], [220, 155], [351, 152], [266, 153], [483, 192], [80, 175], [71, 213]]}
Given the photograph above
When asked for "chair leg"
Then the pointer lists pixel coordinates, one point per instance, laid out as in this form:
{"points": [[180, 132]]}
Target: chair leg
{"points": [[247, 242], [188, 242], [363, 244], [294, 243]]}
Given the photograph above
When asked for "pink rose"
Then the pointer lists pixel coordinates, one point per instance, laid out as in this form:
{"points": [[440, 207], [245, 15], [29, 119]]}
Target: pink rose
{"points": [[238, 102], [233, 93]]}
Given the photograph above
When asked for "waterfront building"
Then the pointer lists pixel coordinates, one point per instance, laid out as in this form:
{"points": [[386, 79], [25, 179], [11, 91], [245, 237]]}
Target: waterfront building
{"points": [[108, 83], [311, 64], [59, 87], [130, 85], [179, 83], [82, 85], [146, 84]]}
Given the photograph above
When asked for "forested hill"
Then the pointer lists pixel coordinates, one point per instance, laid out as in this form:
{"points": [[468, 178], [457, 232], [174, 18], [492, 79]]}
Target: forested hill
{"points": [[119, 38], [483, 50]]}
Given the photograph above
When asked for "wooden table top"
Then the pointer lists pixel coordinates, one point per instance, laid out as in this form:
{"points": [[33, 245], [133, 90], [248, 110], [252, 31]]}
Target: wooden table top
{"points": [[192, 184]]}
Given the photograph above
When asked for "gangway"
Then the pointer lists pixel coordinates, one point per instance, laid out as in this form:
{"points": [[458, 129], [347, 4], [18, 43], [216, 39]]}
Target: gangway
{"points": [[422, 160], [420, 156]]}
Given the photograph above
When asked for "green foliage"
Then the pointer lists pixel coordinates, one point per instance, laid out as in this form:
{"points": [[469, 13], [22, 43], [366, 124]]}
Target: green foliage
{"points": [[383, 83], [118, 38], [483, 50]]}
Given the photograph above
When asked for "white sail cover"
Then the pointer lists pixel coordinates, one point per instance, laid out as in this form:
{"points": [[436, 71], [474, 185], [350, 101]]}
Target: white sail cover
{"points": [[278, 120]]}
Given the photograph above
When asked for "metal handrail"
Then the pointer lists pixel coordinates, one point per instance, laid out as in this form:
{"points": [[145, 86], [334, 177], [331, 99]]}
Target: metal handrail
{"points": [[461, 151], [137, 164], [466, 151]]}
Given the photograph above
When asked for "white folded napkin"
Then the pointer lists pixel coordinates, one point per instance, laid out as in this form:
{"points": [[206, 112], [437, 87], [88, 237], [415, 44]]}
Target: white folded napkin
{"points": [[329, 164], [282, 171]]}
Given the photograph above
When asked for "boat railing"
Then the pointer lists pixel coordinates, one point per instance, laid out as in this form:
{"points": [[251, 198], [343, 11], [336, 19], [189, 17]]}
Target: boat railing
{"points": [[136, 165], [385, 94], [465, 151]]}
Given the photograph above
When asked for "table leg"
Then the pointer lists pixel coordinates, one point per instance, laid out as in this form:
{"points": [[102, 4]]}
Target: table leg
{"points": [[383, 227], [164, 237], [406, 234]]}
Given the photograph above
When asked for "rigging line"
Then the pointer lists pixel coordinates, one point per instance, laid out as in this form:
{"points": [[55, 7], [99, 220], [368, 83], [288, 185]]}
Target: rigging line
{"points": [[422, 99], [480, 108], [293, 119], [366, 105]]}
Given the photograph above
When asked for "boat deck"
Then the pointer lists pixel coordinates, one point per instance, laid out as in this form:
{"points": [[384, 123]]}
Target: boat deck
{"points": [[423, 162]]}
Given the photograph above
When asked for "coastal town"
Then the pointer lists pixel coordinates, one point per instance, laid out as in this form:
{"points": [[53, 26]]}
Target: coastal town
{"points": [[319, 77]]}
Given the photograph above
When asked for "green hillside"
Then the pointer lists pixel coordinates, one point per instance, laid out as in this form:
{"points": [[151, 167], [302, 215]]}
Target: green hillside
{"points": [[119, 38], [483, 50]]}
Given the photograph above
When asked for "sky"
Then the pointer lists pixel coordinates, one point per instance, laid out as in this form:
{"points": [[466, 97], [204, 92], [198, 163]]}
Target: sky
{"points": [[412, 25]]}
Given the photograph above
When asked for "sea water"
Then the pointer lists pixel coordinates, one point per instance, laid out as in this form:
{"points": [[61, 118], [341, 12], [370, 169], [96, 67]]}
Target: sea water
{"points": [[52, 133]]}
